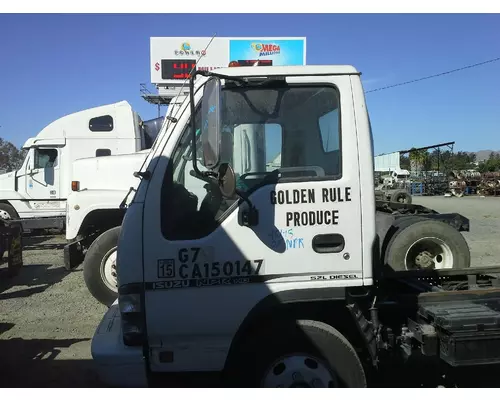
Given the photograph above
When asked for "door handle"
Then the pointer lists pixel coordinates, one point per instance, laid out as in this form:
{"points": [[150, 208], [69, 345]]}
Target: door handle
{"points": [[328, 243]]}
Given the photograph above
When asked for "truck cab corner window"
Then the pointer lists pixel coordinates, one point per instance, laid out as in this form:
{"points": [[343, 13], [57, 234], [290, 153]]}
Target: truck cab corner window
{"points": [[101, 124], [329, 128], [102, 152]]}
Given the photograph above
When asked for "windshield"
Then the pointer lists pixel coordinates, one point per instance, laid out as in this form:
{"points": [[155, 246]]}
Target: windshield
{"points": [[295, 129]]}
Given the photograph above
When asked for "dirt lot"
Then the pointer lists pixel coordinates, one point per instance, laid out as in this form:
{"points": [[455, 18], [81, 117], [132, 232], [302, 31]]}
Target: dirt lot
{"points": [[47, 316]]}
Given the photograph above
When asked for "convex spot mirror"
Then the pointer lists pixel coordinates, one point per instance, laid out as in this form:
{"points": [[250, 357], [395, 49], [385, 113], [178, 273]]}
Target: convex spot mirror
{"points": [[210, 122]]}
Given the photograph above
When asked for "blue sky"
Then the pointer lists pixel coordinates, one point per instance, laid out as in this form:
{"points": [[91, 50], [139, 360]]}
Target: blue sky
{"points": [[52, 65]]}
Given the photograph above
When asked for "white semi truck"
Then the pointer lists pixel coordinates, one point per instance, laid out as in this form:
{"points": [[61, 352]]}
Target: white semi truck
{"points": [[95, 210], [294, 276], [36, 194]]}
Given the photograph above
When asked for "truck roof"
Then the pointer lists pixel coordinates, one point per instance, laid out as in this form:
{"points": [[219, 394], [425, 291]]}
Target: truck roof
{"points": [[59, 128], [290, 70]]}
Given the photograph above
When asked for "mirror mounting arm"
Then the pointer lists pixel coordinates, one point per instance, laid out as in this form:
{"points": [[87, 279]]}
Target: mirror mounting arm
{"points": [[193, 127], [249, 217]]}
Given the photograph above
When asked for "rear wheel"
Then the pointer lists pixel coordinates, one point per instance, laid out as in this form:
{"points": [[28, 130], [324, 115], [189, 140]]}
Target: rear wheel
{"points": [[296, 354], [99, 267], [427, 244]]}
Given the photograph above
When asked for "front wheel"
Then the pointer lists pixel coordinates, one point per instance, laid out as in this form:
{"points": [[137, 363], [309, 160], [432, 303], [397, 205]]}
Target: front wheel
{"points": [[295, 354], [99, 267], [7, 212]]}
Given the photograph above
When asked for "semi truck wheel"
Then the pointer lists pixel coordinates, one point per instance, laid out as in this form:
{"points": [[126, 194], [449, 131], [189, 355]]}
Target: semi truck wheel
{"points": [[297, 354], [99, 267], [8, 212], [401, 196], [426, 244]]}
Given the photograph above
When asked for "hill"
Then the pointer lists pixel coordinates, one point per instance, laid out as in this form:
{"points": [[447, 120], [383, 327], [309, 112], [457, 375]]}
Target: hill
{"points": [[482, 155]]}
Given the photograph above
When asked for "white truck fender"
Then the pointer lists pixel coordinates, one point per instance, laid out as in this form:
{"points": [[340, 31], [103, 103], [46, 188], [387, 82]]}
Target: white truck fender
{"points": [[82, 203]]}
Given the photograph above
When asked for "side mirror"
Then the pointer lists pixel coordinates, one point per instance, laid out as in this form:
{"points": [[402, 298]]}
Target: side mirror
{"points": [[210, 122]]}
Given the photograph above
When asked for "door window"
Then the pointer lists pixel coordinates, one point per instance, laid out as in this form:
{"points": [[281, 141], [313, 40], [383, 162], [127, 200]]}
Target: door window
{"points": [[268, 136], [45, 158], [102, 152]]}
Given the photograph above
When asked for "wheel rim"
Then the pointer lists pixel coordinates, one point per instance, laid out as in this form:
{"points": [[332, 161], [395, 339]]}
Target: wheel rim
{"points": [[108, 270], [402, 198], [429, 253], [4, 215], [299, 371]]}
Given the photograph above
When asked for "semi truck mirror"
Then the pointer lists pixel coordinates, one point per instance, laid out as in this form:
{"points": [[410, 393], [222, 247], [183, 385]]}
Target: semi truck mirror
{"points": [[210, 122]]}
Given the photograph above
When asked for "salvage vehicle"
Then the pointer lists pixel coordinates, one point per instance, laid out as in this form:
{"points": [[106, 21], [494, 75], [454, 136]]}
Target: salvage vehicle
{"points": [[290, 277], [393, 186], [35, 195], [94, 210]]}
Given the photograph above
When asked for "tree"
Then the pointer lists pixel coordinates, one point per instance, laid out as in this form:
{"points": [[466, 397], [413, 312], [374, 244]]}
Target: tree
{"points": [[464, 160], [11, 158], [492, 164], [418, 159], [445, 160], [404, 162]]}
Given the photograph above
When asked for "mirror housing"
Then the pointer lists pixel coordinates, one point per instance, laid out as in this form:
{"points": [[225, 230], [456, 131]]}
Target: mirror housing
{"points": [[211, 122]]}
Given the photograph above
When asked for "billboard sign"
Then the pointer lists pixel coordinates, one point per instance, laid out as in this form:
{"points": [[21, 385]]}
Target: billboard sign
{"points": [[172, 58], [278, 51]]}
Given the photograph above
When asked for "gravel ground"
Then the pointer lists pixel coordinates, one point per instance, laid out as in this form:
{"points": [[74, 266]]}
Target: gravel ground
{"points": [[47, 316], [47, 319]]}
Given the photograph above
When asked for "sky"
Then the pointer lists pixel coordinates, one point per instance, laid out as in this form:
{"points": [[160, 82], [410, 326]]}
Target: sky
{"points": [[53, 65]]}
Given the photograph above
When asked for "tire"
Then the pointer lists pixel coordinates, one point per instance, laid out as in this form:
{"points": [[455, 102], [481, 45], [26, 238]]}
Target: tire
{"points": [[11, 211], [401, 196], [93, 266], [262, 349], [435, 237]]}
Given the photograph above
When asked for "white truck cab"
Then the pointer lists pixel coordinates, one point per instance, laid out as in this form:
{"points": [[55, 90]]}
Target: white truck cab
{"points": [[95, 210], [271, 270], [204, 261], [37, 192]]}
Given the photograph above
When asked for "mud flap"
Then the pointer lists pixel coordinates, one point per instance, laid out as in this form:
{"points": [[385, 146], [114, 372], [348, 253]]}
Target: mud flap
{"points": [[73, 255], [11, 240]]}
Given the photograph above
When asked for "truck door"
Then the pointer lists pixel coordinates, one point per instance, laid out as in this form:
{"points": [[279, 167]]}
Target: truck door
{"points": [[204, 269], [42, 183]]}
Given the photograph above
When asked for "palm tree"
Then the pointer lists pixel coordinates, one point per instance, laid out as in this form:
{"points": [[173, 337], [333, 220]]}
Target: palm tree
{"points": [[417, 159]]}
